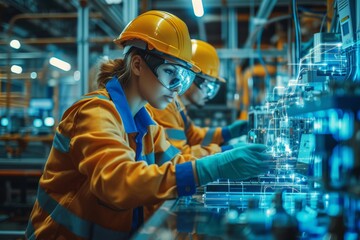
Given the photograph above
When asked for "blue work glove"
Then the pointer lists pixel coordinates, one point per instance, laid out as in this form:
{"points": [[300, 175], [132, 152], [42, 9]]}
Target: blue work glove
{"points": [[234, 130], [238, 163], [232, 146]]}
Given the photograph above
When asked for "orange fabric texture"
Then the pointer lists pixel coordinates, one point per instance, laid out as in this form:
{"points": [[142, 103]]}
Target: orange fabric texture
{"points": [[193, 138], [98, 179]]}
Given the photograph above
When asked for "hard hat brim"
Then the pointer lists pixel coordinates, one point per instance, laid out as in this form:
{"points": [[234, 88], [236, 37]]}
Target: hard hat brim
{"points": [[220, 79], [150, 46]]}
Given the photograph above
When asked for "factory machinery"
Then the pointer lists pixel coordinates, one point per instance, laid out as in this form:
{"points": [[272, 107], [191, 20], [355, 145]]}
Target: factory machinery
{"points": [[311, 129]]}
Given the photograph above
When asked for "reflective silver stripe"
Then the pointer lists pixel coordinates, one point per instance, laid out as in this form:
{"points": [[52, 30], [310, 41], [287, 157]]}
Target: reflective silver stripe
{"points": [[208, 137], [29, 233], [61, 142], [163, 157], [98, 96], [175, 134], [73, 223], [150, 158], [185, 119]]}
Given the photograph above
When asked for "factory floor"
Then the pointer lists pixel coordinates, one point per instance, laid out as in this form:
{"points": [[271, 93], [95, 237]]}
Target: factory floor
{"points": [[19, 179], [13, 225], [16, 205]]}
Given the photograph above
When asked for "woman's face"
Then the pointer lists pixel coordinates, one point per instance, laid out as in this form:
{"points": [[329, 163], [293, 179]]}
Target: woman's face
{"points": [[152, 90], [196, 96]]}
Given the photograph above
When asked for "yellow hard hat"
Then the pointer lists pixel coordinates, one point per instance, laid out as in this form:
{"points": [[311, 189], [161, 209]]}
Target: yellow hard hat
{"points": [[161, 31], [204, 56]]}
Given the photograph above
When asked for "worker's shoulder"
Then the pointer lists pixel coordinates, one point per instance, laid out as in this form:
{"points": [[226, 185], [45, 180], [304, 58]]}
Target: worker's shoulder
{"points": [[100, 94], [96, 98], [99, 97]]}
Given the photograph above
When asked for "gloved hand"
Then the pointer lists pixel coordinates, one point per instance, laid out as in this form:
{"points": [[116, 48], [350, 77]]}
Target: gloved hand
{"points": [[236, 129], [232, 146], [239, 163], [240, 144]]}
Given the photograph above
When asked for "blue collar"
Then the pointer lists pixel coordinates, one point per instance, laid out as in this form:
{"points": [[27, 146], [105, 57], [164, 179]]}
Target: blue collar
{"points": [[142, 118]]}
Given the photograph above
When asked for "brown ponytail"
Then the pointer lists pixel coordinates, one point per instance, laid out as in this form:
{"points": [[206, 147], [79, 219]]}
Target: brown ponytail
{"points": [[110, 69], [120, 68]]}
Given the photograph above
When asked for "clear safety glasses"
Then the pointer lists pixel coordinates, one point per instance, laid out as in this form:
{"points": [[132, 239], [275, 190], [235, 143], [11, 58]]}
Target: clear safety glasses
{"points": [[173, 76], [209, 86]]}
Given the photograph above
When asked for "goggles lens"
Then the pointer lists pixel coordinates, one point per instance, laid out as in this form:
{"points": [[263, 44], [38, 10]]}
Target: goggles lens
{"points": [[171, 75], [210, 87]]}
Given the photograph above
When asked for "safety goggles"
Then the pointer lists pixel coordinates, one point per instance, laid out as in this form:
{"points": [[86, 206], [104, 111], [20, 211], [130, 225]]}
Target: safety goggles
{"points": [[171, 75], [207, 85]]}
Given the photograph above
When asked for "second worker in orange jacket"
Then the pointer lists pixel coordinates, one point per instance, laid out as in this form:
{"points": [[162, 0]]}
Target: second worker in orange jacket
{"points": [[180, 130]]}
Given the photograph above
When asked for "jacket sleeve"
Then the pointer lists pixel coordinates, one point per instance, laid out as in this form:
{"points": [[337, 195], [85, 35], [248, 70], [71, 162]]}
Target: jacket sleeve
{"points": [[103, 155], [184, 163], [200, 135], [175, 127]]}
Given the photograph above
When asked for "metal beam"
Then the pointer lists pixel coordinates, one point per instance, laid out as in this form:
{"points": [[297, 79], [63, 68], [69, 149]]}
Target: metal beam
{"points": [[58, 40], [202, 29], [266, 8], [176, 4], [112, 13], [46, 16], [263, 13], [108, 30], [233, 28], [130, 10], [30, 55], [232, 43], [101, 23], [83, 45], [21, 76], [209, 17], [244, 53]]}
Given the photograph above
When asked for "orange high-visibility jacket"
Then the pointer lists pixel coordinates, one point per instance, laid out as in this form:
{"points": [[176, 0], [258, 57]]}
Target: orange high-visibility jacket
{"points": [[184, 134], [106, 171]]}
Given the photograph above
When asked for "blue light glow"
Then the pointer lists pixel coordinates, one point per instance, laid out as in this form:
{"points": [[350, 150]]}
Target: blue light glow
{"points": [[49, 121], [346, 127], [37, 122], [4, 122]]}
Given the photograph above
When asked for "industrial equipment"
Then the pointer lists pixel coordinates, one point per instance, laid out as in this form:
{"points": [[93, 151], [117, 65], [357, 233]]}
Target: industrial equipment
{"points": [[312, 133]]}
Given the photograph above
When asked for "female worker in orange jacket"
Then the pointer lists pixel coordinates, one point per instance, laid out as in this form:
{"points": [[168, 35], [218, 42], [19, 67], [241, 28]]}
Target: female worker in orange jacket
{"points": [[110, 163]]}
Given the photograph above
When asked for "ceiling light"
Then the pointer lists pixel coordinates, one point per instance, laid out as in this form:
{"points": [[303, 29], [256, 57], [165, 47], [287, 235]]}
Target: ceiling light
{"points": [[15, 44], [198, 8], [37, 122], [49, 121], [60, 64], [113, 1], [33, 75], [52, 82], [16, 69], [77, 75], [4, 122]]}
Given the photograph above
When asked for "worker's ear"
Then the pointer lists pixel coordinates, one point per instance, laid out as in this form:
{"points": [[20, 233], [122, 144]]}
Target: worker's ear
{"points": [[136, 65]]}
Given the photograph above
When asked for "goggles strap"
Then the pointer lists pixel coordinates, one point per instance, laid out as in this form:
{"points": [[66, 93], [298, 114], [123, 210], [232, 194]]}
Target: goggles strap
{"points": [[152, 61], [199, 81]]}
